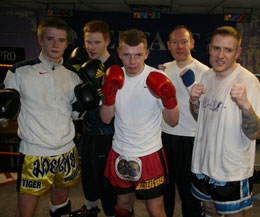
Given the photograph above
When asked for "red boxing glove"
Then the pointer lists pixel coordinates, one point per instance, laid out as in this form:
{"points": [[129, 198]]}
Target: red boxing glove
{"points": [[162, 87], [113, 80]]}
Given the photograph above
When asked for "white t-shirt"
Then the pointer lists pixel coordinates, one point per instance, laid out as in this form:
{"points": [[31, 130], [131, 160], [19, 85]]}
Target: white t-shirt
{"points": [[137, 117], [187, 124], [221, 149]]}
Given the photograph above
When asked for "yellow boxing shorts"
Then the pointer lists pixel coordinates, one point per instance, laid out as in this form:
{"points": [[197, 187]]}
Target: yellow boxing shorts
{"points": [[37, 174]]}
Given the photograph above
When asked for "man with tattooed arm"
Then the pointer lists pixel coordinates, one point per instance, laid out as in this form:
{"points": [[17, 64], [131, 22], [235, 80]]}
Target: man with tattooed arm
{"points": [[226, 103]]}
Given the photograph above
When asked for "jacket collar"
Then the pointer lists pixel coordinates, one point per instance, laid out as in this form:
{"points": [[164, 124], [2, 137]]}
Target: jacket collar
{"points": [[49, 64]]}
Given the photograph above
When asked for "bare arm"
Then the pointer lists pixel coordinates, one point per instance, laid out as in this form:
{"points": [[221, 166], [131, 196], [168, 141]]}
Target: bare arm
{"points": [[196, 91], [107, 113], [171, 116], [250, 123], [194, 107]]}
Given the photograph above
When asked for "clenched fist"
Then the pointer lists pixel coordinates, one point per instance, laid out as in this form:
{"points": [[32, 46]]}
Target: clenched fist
{"points": [[239, 96], [196, 91]]}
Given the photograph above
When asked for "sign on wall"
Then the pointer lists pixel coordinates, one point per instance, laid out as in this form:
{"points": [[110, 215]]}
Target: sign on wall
{"points": [[10, 55]]}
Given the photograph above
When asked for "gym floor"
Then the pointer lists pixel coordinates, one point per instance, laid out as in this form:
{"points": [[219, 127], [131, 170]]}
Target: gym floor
{"points": [[8, 203], [8, 195]]}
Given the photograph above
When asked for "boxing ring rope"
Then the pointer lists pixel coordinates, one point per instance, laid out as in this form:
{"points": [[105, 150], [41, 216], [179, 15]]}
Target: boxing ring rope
{"points": [[9, 153]]}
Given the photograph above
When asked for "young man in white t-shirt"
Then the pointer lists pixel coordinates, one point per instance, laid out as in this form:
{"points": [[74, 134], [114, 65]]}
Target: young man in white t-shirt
{"points": [[137, 95], [227, 104]]}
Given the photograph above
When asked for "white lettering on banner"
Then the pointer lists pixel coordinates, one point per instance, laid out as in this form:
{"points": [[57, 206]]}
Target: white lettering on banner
{"points": [[157, 41], [7, 55], [113, 35]]}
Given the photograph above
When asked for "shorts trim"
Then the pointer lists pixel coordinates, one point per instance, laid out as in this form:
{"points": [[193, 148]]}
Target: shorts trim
{"points": [[228, 197], [230, 208], [199, 195]]}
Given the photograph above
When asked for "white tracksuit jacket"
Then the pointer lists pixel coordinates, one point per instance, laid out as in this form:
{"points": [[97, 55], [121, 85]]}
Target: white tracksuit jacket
{"points": [[45, 119]]}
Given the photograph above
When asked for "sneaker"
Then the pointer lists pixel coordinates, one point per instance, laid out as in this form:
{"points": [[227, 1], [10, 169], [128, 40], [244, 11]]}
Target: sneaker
{"points": [[84, 212]]}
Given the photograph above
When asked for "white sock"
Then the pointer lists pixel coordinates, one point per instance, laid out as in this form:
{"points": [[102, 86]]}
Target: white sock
{"points": [[92, 204], [53, 208]]}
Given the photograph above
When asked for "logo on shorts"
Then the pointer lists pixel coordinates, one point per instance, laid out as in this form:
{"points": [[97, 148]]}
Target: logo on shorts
{"points": [[128, 168], [153, 183], [73, 176], [44, 165], [31, 184]]}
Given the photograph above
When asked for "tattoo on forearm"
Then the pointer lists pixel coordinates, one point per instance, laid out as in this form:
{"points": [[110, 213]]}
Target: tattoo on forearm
{"points": [[195, 109], [250, 123]]}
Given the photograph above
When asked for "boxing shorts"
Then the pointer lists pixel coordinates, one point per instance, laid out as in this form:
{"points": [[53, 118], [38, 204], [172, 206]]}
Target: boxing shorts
{"points": [[37, 174]]}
